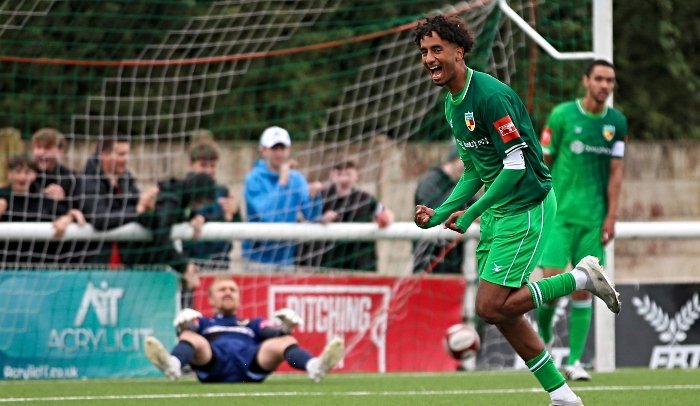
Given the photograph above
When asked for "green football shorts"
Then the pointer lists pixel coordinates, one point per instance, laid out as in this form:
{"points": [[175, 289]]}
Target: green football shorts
{"points": [[569, 243], [510, 247]]}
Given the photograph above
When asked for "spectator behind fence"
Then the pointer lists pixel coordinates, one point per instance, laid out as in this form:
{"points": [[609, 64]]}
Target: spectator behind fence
{"points": [[224, 208], [10, 145], [18, 204], [178, 201], [434, 187], [343, 202], [112, 199], [54, 179], [276, 193]]}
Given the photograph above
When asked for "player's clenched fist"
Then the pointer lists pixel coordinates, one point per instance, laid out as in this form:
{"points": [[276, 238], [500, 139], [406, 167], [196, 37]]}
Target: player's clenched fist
{"points": [[423, 215], [451, 222]]}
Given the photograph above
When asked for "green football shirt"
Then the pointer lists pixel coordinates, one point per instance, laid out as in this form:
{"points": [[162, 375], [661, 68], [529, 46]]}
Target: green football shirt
{"points": [[490, 122], [581, 146]]}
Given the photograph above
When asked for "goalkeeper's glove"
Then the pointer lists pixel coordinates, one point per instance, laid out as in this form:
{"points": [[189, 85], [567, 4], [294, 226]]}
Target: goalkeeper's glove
{"points": [[187, 320], [288, 319]]}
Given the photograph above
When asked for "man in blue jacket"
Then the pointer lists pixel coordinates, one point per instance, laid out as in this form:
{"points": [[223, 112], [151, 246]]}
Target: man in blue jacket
{"points": [[275, 192]]}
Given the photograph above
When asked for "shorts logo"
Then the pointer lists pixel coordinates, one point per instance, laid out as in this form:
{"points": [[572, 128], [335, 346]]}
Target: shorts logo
{"points": [[546, 137], [608, 132], [469, 120], [506, 129]]}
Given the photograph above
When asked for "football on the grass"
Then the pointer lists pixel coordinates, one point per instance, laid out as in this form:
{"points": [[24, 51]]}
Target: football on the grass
{"points": [[461, 341]]}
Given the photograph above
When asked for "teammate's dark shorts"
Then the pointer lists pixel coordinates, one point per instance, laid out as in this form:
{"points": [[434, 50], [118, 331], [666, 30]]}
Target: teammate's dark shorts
{"points": [[231, 361]]}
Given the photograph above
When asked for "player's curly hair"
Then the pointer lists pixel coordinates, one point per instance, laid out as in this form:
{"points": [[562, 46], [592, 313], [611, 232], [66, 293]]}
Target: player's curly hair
{"points": [[450, 28]]}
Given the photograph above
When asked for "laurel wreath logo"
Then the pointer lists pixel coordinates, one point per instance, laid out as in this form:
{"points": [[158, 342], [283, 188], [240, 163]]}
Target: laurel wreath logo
{"points": [[672, 329]]}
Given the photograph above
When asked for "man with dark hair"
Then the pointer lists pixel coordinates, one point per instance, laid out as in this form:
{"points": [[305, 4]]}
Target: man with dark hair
{"points": [[583, 145], [18, 203], [500, 151], [204, 158], [112, 199], [433, 188], [227, 348], [343, 202]]}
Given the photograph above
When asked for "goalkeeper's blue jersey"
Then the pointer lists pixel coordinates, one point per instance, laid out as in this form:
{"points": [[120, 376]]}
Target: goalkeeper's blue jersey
{"points": [[231, 328]]}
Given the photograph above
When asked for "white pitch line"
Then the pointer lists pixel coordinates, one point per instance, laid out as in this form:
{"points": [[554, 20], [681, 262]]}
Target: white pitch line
{"points": [[354, 393]]}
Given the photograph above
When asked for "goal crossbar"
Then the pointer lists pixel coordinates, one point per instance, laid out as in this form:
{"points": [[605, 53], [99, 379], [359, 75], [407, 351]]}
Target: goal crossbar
{"points": [[539, 39]]}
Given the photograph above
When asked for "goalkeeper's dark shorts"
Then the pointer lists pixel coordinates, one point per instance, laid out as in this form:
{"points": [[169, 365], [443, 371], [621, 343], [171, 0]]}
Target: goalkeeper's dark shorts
{"points": [[231, 362]]}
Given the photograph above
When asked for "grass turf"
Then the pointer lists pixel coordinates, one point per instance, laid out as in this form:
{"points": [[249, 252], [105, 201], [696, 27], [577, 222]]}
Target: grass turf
{"points": [[624, 387]]}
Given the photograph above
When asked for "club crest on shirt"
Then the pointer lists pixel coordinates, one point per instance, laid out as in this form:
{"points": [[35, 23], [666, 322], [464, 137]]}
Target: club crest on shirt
{"points": [[469, 120], [608, 132]]}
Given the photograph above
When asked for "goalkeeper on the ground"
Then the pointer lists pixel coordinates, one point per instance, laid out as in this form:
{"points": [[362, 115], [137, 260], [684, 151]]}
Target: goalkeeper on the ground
{"points": [[225, 348]]}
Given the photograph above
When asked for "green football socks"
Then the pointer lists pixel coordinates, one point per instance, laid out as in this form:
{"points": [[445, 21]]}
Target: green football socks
{"points": [[546, 373], [579, 324], [545, 314], [552, 288]]}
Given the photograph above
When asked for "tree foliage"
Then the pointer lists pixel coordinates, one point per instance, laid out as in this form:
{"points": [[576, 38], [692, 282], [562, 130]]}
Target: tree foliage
{"points": [[657, 55], [655, 51]]}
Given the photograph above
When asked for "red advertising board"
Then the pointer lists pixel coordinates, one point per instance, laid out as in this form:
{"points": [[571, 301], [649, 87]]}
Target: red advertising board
{"points": [[389, 324]]}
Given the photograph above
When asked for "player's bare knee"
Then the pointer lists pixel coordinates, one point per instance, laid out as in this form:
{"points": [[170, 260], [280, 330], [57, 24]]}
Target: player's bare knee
{"points": [[279, 344], [581, 295], [489, 313], [286, 341], [196, 340], [549, 272]]}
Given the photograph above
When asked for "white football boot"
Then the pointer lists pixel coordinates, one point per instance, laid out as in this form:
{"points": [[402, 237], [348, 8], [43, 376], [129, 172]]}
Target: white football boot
{"points": [[576, 372], [318, 367], [576, 402], [161, 358], [598, 283]]}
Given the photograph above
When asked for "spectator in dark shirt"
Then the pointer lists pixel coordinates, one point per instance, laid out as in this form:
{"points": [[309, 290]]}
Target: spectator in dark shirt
{"points": [[18, 204], [204, 158], [343, 202], [434, 187], [112, 199], [58, 182]]}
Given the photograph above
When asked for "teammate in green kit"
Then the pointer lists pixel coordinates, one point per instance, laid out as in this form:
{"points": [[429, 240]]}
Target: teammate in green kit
{"points": [[500, 151], [583, 144]]}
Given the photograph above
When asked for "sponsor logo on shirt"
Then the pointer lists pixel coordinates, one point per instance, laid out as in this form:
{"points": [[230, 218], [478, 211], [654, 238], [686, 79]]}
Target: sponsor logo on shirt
{"points": [[469, 120], [506, 129], [473, 144], [546, 137], [578, 147], [608, 132]]}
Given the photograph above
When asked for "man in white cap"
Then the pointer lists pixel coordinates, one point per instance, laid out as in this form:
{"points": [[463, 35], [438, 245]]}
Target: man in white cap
{"points": [[275, 192]]}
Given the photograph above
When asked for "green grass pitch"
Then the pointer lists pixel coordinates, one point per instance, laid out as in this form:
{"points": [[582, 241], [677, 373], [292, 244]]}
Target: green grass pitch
{"points": [[624, 387]]}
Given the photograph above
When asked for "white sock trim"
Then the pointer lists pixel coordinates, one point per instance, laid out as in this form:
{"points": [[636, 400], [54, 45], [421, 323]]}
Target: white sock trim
{"points": [[312, 363], [580, 278], [564, 393], [582, 304]]}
